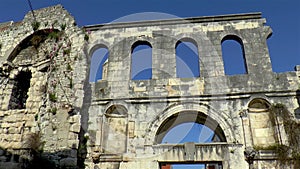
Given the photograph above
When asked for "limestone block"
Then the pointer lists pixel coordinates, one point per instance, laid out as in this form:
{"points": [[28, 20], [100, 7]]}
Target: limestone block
{"points": [[174, 81], [98, 137], [30, 123], [11, 118], [75, 128], [262, 132], [72, 136], [149, 164], [13, 130], [16, 137], [74, 119], [5, 124], [139, 89]]}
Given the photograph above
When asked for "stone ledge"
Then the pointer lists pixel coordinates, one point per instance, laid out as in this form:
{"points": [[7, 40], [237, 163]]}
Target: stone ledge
{"points": [[201, 19]]}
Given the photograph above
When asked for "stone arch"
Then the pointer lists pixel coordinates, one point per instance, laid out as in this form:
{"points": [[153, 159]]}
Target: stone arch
{"points": [[187, 39], [233, 38], [96, 45], [259, 105], [116, 110], [140, 42], [220, 119], [36, 38], [189, 116]]}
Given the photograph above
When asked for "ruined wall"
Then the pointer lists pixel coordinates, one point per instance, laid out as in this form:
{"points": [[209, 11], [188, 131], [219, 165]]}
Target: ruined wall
{"points": [[117, 122], [43, 116]]}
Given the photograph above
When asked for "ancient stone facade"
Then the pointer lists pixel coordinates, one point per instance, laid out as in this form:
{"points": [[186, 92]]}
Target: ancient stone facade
{"points": [[50, 109]]}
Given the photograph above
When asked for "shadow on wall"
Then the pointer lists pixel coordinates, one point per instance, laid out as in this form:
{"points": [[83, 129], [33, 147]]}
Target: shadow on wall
{"points": [[64, 159], [297, 110]]}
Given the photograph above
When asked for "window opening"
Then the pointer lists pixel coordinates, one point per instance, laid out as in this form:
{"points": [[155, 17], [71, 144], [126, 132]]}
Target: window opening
{"points": [[99, 58], [187, 59], [233, 56], [20, 90], [141, 61]]}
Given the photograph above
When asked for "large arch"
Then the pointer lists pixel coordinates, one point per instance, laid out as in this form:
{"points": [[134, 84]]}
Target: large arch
{"points": [[209, 117], [189, 116], [34, 39]]}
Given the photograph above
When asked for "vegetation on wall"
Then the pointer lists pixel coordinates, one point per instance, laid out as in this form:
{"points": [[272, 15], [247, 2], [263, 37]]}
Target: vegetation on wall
{"points": [[56, 48], [290, 153], [35, 25], [34, 143]]}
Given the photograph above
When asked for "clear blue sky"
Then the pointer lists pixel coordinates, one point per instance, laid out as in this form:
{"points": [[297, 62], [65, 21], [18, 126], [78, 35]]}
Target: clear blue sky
{"points": [[282, 15]]}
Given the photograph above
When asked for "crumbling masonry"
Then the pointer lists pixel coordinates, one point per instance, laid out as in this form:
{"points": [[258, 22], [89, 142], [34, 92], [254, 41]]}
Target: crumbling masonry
{"points": [[50, 110]]}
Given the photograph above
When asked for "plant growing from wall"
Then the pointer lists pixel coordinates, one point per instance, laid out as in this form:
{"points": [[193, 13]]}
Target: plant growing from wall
{"points": [[52, 97], [34, 143], [63, 26], [285, 153], [86, 35], [35, 25]]}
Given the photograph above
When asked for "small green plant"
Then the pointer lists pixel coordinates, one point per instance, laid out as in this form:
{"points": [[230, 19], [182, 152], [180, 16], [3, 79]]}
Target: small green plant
{"points": [[52, 97], [69, 67], [35, 25], [53, 110], [46, 23], [53, 35], [34, 143], [36, 117], [66, 51], [54, 23], [63, 26], [86, 37], [70, 83]]}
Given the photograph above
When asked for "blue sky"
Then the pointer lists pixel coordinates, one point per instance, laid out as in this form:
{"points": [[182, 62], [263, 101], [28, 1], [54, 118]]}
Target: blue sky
{"points": [[282, 15]]}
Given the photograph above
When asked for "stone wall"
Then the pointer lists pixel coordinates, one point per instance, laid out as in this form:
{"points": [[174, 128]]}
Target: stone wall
{"points": [[64, 120], [49, 121], [239, 104]]}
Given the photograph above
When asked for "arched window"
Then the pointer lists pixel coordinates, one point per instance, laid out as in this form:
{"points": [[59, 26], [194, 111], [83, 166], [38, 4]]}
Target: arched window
{"points": [[19, 92], [99, 59], [141, 61], [233, 55], [189, 127], [187, 59], [259, 104]]}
